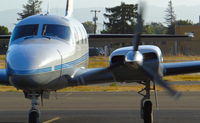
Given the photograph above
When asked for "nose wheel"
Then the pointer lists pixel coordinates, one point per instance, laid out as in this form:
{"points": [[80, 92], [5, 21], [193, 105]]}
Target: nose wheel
{"points": [[34, 116], [34, 113], [147, 112]]}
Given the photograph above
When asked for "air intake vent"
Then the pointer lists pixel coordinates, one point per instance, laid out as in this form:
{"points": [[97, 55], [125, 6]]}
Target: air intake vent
{"points": [[118, 59]]}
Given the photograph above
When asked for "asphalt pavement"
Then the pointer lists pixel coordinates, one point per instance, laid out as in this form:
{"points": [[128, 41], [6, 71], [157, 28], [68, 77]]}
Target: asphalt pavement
{"points": [[100, 107]]}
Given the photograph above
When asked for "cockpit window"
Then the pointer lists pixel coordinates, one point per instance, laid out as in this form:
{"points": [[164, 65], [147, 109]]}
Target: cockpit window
{"points": [[58, 31], [24, 31]]}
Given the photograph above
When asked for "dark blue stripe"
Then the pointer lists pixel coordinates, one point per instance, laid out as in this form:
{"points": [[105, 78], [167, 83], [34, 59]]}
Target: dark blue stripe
{"points": [[72, 63], [42, 70]]}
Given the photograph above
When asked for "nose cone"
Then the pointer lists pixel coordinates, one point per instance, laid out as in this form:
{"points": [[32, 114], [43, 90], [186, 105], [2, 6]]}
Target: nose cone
{"points": [[28, 62], [26, 59]]}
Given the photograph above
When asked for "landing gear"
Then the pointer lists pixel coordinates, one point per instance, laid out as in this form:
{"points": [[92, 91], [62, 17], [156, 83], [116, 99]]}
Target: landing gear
{"points": [[146, 104], [147, 112], [34, 113], [34, 116]]}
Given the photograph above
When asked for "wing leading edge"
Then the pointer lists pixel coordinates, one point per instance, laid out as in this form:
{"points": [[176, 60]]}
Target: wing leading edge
{"points": [[92, 76], [181, 68], [104, 75]]}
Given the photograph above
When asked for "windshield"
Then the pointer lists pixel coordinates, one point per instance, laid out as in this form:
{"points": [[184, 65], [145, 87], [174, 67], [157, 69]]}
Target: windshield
{"points": [[24, 31], [58, 31]]}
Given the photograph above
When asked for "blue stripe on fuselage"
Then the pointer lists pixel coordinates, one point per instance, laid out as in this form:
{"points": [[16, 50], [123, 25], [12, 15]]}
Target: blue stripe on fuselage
{"points": [[49, 69], [72, 63]]}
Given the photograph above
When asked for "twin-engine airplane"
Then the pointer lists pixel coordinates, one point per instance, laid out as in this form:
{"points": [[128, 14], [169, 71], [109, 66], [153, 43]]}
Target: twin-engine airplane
{"points": [[47, 53]]}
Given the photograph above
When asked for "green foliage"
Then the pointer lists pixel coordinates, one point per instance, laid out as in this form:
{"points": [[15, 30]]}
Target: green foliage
{"points": [[155, 28], [31, 8], [184, 22], [121, 19], [114, 84], [171, 29], [4, 30], [170, 18], [89, 26]]}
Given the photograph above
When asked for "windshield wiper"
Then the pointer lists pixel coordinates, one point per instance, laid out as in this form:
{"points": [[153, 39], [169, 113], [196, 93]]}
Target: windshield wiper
{"points": [[28, 37], [45, 36]]}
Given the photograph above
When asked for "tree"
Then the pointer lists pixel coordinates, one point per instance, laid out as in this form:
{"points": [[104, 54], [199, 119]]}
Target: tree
{"points": [[155, 28], [184, 22], [4, 30], [121, 19], [170, 18], [31, 8], [89, 26]]}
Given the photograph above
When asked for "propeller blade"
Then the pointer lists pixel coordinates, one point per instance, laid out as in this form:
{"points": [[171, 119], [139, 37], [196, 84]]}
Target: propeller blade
{"points": [[138, 29], [156, 95], [158, 80]]}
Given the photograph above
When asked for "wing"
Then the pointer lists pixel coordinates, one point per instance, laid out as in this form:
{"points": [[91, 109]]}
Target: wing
{"points": [[115, 73], [103, 36], [104, 39], [92, 76], [4, 80], [181, 68], [144, 37]]}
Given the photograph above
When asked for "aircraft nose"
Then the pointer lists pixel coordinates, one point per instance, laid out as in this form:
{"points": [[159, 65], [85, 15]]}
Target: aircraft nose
{"points": [[27, 64], [30, 58]]}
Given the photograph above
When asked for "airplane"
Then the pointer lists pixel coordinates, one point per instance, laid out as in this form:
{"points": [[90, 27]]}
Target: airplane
{"points": [[49, 52]]}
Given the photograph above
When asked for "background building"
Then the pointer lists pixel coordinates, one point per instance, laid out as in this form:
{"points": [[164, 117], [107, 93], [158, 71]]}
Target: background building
{"points": [[192, 47]]}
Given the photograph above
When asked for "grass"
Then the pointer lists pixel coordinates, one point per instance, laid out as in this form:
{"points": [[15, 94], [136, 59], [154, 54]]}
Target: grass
{"points": [[181, 58], [100, 61], [179, 78], [126, 88], [109, 88]]}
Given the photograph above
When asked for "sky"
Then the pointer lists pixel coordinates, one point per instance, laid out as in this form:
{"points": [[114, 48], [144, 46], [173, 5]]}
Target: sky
{"points": [[13, 4], [155, 9]]}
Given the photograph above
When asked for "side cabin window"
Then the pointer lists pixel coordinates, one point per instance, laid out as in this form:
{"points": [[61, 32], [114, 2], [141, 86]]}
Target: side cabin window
{"points": [[76, 35], [82, 35], [25, 31], [86, 38], [57, 31], [79, 35]]}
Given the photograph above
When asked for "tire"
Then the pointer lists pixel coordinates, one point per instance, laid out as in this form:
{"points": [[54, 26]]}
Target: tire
{"points": [[148, 115], [34, 117]]}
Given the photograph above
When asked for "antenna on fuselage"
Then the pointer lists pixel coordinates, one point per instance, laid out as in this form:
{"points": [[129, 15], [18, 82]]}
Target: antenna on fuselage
{"points": [[69, 8], [48, 7]]}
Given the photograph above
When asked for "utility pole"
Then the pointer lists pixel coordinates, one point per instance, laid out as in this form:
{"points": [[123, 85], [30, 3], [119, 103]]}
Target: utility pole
{"points": [[95, 19]]}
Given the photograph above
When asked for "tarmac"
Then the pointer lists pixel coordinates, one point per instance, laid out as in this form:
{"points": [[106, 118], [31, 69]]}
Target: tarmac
{"points": [[100, 107]]}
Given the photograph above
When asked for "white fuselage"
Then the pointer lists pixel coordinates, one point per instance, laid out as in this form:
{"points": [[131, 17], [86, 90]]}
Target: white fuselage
{"points": [[57, 47]]}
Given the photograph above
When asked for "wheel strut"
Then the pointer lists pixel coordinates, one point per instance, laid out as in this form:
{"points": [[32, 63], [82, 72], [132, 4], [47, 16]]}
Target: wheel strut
{"points": [[146, 104], [34, 113]]}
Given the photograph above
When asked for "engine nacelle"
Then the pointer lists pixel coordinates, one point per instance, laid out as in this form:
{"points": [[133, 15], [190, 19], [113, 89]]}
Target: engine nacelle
{"points": [[148, 52]]}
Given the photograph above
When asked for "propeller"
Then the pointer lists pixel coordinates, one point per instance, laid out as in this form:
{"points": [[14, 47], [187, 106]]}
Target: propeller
{"points": [[138, 29], [155, 76]]}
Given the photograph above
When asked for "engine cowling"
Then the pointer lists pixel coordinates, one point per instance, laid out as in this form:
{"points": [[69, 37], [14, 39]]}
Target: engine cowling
{"points": [[130, 67], [148, 52]]}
